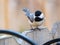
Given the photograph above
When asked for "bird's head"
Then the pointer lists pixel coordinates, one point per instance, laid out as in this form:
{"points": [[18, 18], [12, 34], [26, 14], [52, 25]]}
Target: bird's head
{"points": [[39, 16]]}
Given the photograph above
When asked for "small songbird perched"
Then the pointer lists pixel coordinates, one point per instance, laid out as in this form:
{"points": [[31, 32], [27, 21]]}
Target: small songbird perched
{"points": [[35, 19]]}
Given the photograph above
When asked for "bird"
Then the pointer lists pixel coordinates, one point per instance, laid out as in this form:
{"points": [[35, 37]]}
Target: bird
{"points": [[36, 19]]}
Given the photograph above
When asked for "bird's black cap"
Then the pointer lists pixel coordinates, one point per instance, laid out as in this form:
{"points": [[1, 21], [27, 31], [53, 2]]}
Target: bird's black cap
{"points": [[38, 13]]}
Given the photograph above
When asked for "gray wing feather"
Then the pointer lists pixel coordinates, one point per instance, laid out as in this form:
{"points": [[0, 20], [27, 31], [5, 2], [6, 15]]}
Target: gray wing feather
{"points": [[29, 14]]}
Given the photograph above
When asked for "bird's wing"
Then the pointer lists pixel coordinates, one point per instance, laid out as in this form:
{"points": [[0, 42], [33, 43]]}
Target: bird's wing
{"points": [[29, 14], [27, 11], [31, 17]]}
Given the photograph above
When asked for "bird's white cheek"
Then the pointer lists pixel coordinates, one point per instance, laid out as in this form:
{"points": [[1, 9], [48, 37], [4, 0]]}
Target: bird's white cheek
{"points": [[41, 16]]}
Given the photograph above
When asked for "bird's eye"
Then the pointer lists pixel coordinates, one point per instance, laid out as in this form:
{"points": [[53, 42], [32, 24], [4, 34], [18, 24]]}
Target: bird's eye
{"points": [[38, 19], [38, 13]]}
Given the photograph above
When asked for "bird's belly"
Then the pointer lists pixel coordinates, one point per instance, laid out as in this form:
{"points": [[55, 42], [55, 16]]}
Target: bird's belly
{"points": [[36, 24]]}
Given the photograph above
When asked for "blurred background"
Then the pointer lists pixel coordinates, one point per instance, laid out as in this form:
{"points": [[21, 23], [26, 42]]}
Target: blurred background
{"points": [[13, 18]]}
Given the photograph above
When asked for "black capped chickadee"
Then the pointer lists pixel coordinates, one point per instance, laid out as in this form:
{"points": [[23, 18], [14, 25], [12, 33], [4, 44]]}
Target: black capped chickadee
{"points": [[35, 19]]}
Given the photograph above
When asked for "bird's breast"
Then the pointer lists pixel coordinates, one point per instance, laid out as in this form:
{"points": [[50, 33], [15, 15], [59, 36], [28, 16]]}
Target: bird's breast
{"points": [[37, 23]]}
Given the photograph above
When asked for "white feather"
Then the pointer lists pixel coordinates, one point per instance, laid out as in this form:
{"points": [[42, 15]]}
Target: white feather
{"points": [[41, 16]]}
